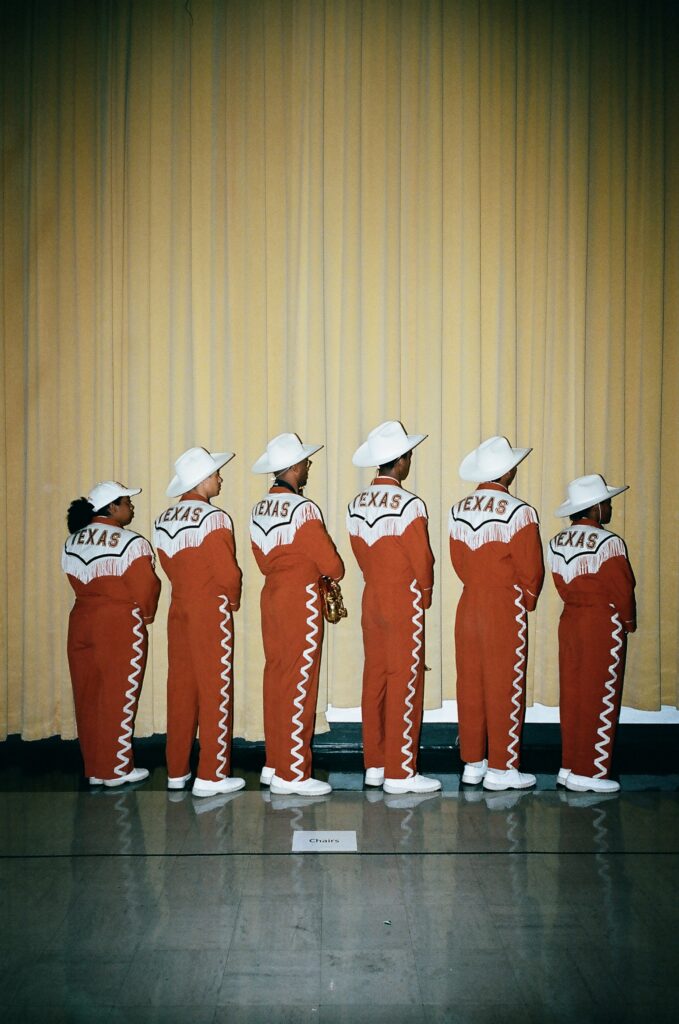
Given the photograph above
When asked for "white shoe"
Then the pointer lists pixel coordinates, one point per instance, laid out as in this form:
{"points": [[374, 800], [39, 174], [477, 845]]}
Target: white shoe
{"points": [[562, 776], [179, 782], [474, 772], [136, 775], [303, 787], [415, 784], [94, 781], [509, 779], [585, 784], [205, 787], [266, 775], [374, 776]]}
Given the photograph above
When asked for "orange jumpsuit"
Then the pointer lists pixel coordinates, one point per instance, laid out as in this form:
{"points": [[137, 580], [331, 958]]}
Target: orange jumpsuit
{"points": [[111, 570], [594, 578], [292, 549], [197, 552], [389, 537], [495, 550]]}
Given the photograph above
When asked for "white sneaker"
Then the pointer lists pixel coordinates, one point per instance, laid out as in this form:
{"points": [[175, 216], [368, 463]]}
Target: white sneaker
{"points": [[266, 775], [94, 781], [303, 787], [415, 784], [179, 782], [205, 787], [562, 776], [136, 775], [374, 776], [474, 772], [585, 784], [509, 779]]}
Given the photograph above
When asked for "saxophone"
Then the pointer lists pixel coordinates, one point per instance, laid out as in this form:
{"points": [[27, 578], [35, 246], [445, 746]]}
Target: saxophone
{"points": [[332, 603]]}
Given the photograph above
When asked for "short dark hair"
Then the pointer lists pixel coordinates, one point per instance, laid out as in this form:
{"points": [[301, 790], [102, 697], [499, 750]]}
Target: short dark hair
{"points": [[582, 514], [390, 465]]}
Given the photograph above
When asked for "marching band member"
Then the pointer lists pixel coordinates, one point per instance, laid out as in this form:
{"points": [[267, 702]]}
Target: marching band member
{"points": [[292, 549], [389, 537], [111, 570], [197, 552], [592, 573], [495, 550]]}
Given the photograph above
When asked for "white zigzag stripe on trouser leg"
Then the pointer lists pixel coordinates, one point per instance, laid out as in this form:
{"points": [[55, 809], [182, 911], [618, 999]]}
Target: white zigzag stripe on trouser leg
{"points": [[608, 702], [517, 682], [225, 692], [408, 763], [125, 738], [296, 739]]}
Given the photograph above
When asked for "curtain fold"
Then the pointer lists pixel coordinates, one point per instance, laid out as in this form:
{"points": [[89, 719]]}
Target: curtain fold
{"points": [[222, 220]]}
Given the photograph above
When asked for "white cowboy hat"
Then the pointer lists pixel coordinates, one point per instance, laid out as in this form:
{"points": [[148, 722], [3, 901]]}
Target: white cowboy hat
{"points": [[108, 491], [284, 451], [192, 467], [585, 491], [491, 460], [385, 444]]}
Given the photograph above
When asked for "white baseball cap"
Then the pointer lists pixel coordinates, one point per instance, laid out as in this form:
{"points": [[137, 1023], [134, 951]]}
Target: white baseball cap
{"points": [[491, 460], [585, 491], [385, 444], [109, 491], [284, 451], [193, 466]]}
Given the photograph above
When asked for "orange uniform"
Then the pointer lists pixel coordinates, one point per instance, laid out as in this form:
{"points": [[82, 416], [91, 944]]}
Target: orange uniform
{"points": [[292, 549], [111, 570], [495, 550], [197, 552], [594, 578], [389, 537]]}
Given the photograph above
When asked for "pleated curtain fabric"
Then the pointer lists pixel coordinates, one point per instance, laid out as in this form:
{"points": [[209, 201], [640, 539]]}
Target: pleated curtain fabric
{"points": [[222, 220]]}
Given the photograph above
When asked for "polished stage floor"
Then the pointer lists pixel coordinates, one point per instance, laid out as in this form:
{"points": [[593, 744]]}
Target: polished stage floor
{"points": [[136, 905]]}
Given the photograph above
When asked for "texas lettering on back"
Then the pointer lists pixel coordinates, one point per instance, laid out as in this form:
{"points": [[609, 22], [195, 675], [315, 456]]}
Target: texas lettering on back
{"points": [[486, 516], [383, 510], [578, 550]]}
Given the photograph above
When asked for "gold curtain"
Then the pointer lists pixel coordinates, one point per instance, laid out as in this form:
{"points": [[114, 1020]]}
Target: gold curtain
{"points": [[222, 220]]}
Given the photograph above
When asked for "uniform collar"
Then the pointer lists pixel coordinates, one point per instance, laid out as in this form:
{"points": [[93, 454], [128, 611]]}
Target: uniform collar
{"points": [[490, 485], [194, 496]]}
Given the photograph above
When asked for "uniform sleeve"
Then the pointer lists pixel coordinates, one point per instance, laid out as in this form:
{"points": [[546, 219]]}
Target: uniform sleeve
{"points": [[421, 557], [220, 547], [143, 586], [458, 556], [528, 563], [317, 545], [617, 576]]}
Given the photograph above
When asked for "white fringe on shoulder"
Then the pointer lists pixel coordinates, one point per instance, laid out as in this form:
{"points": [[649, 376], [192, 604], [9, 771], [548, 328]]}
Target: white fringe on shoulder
{"points": [[108, 564], [389, 524], [267, 533], [190, 535], [585, 563], [493, 530]]}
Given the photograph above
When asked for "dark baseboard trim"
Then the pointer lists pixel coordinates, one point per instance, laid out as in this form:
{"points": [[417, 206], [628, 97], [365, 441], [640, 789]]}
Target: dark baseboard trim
{"points": [[639, 749]]}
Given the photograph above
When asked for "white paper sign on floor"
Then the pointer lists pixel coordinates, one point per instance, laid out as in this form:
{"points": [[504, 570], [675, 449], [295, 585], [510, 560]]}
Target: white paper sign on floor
{"points": [[324, 842]]}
